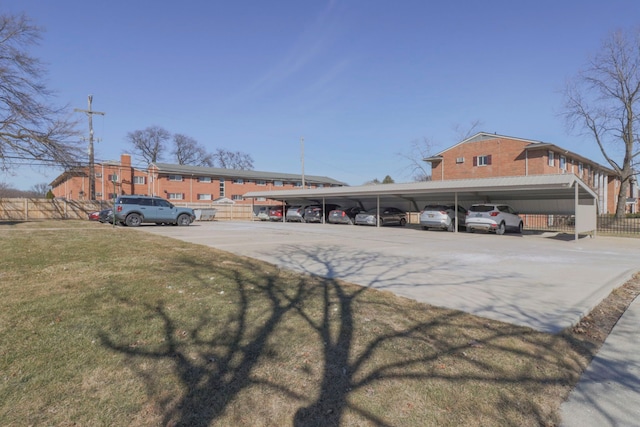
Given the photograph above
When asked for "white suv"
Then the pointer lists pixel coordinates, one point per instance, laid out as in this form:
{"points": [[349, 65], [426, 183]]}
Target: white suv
{"points": [[493, 217]]}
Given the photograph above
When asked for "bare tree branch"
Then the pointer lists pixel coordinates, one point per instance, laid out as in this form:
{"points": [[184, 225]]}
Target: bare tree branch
{"points": [[30, 127], [232, 160], [603, 102], [149, 143], [187, 151]]}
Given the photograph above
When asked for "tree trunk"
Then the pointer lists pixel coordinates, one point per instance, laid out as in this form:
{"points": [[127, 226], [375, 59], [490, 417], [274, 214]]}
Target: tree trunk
{"points": [[622, 199]]}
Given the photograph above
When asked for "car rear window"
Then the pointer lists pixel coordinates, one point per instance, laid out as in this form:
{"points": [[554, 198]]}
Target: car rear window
{"points": [[482, 208], [436, 208]]}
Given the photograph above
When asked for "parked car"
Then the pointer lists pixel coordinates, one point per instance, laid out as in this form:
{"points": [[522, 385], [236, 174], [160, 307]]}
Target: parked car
{"points": [[314, 213], [295, 214], [263, 213], [388, 216], [344, 216], [493, 217], [135, 210], [105, 215], [275, 213], [442, 217]]}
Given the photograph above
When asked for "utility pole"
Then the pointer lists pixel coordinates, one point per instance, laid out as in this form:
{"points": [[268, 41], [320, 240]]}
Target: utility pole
{"points": [[302, 158], [92, 175]]}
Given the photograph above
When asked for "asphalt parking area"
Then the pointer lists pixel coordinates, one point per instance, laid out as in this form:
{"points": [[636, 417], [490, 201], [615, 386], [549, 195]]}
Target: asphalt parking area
{"points": [[539, 281]]}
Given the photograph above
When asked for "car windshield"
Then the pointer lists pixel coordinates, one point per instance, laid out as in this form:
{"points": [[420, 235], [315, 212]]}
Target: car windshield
{"points": [[482, 208]]}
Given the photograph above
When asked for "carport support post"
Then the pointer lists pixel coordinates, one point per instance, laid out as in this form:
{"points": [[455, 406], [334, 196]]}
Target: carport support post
{"points": [[575, 211], [323, 210], [378, 211], [455, 213], [284, 210]]}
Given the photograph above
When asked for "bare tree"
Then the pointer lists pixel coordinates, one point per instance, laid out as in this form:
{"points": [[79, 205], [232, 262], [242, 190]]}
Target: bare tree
{"points": [[232, 160], [40, 189], [149, 143], [187, 151], [602, 102], [421, 149], [30, 126]]}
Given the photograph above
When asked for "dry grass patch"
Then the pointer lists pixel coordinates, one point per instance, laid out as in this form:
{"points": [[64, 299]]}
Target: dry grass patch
{"points": [[112, 326]]}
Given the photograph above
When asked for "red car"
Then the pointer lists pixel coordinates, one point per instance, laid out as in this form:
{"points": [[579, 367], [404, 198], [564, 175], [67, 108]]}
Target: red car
{"points": [[275, 213]]}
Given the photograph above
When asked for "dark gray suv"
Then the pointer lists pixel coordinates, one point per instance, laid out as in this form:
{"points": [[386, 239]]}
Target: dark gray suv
{"points": [[134, 210]]}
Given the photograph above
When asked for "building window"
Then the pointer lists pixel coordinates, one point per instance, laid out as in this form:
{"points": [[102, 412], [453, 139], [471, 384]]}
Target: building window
{"points": [[237, 197], [580, 168], [112, 178], [139, 180], [297, 184], [221, 187], [112, 195], [98, 174], [278, 183], [261, 182], [261, 199], [238, 181], [175, 177], [551, 158], [204, 196], [320, 186], [176, 196], [563, 163], [482, 160], [98, 195], [204, 179]]}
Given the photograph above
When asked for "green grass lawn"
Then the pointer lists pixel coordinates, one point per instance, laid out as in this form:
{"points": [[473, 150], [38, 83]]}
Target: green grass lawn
{"points": [[113, 326]]}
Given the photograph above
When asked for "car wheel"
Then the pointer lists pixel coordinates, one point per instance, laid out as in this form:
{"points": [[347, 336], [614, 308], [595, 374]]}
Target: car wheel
{"points": [[469, 229], [501, 229], [424, 227], [184, 220], [133, 220], [381, 221], [403, 222], [520, 227]]}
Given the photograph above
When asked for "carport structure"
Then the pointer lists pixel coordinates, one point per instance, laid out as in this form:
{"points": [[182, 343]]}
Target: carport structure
{"points": [[562, 194]]}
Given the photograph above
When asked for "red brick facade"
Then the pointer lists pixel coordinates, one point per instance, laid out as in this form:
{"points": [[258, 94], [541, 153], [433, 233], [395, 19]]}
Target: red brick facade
{"points": [[176, 183], [487, 155]]}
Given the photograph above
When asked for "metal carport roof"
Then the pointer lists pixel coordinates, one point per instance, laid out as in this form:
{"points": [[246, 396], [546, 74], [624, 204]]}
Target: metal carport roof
{"points": [[534, 194]]}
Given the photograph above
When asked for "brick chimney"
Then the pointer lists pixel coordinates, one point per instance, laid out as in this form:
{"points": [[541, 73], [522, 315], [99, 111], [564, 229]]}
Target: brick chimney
{"points": [[125, 160]]}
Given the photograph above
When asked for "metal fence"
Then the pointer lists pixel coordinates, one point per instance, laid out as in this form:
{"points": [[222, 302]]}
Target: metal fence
{"points": [[606, 224]]}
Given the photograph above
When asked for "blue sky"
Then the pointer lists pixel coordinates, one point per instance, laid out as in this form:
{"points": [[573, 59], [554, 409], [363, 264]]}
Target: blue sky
{"points": [[359, 80]]}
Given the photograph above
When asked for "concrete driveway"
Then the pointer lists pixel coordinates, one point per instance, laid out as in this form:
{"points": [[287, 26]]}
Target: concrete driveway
{"points": [[544, 282]]}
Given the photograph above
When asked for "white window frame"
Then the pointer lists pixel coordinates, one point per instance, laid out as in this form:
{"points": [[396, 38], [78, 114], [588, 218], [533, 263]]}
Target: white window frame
{"points": [[238, 181], [278, 183], [177, 178], [174, 196], [137, 179], [551, 158], [204, 197], [237, 197], [580, 168], [261, 182], [222, 187], [563, 163], [111, 177], [204, 179], [483, 160]]}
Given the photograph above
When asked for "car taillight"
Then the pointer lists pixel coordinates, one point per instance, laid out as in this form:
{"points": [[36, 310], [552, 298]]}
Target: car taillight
{"points": [[119, 209], [443, 212], [344, 213], [494, 213]]}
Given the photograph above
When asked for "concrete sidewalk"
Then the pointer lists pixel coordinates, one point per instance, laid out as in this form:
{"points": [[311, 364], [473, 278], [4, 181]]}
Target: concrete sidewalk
{"points": [[608, 393]]}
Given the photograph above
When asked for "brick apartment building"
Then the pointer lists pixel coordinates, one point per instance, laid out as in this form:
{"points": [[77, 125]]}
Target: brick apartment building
{"points": [[487, 155], [179, 183]]}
